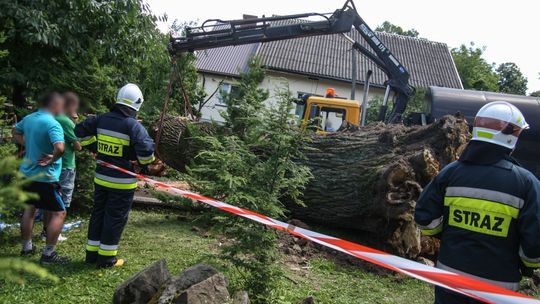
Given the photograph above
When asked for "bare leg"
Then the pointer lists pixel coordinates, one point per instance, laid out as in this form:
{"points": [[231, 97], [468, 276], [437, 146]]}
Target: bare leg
{"points": [[56, 222], [46, 219], [27, 222]]}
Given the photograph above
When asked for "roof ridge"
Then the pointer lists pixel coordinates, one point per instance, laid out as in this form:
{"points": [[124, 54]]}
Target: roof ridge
{"points": [[422, 39]]}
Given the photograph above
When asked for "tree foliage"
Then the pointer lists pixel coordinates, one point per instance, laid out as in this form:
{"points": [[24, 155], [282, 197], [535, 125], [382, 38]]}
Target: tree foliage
{"points": [[417, 103], [511, 80], [245, 104], [535, 94], [253, 168], [388, 27], [90, 47], [475, 72]]}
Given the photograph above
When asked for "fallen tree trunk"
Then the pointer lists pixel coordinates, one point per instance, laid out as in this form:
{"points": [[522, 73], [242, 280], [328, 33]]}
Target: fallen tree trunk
{"points": [[365, 180], [369, 180]]}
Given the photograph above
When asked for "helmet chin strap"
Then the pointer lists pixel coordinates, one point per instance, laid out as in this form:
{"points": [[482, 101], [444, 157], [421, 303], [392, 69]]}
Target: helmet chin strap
{"points": [[125, 110]]}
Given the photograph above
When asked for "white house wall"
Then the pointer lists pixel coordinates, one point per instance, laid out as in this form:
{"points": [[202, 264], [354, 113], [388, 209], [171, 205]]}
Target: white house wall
{"points": [[274, 80]]}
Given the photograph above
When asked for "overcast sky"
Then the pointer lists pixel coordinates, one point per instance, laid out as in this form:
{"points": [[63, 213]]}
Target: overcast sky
{"points": [[509, 29]]}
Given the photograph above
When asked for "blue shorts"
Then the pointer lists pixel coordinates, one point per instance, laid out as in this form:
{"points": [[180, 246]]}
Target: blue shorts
{"points": [[67, 184]]}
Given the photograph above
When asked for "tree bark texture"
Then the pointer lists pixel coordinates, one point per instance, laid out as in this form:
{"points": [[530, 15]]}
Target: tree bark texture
{"points": [[175, 146], [366, 180], [369, 179]]}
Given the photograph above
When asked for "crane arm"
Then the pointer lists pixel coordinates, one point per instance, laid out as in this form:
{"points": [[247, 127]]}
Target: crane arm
{"points": [[237, 32], [245, 31]]}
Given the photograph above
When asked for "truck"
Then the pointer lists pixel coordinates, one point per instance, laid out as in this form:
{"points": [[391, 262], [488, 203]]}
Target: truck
{"points": [[444, 101]]}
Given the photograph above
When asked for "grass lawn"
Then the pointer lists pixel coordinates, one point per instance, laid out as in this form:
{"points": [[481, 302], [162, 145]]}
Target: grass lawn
{"points": [[152, 235]]}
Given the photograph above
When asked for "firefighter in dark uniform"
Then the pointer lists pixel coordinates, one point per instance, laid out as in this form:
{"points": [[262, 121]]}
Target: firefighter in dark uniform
{"points": [[485, 207], [117, 138]]}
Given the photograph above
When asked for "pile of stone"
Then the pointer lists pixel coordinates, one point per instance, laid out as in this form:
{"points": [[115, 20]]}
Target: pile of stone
{"points": [[199, 284]]}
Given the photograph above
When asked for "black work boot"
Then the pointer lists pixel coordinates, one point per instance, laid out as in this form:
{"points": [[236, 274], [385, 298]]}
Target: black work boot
{"points": [[112, 263], [91, 257]]}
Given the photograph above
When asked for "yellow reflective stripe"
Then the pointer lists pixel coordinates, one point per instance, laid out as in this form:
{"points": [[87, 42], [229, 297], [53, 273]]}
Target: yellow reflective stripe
{"points": [[485, 194], [147, 161], [123, 100], [115, 185], [433, 231], [89, 141], [531, 264], [107, 252], [92, 248], [112, 139], [483, 205], [484, 134]]}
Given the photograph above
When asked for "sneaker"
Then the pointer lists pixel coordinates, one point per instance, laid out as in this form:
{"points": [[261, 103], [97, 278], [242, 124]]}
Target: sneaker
{"points": [[54, 258], [25, 253], [115, 263]]}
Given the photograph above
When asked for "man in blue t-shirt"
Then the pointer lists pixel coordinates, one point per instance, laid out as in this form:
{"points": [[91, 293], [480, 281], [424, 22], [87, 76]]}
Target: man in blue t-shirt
{"points": [[43, 139]]}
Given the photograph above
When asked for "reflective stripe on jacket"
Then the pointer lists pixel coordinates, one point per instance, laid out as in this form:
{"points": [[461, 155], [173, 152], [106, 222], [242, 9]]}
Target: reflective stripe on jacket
{"points": [[487, 216], [117, 139]]}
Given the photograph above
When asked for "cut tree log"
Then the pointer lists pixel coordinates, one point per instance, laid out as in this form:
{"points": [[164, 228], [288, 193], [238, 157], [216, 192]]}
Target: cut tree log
{"points": [[365, 180], [176, 147]]}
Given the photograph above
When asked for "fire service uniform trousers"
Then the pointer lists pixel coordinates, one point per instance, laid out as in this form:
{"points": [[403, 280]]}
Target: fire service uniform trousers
{"points": [[109, 217]]}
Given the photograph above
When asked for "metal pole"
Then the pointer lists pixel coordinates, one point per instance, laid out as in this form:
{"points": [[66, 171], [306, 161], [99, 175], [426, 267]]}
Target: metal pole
{"points": [[386, 95], [354, 63], [384, 106], [365, 100]]}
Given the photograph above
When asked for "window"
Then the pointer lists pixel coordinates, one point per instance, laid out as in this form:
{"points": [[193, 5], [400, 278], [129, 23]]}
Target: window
{"points": [[300, 109], [325, 118], [226, 89], [301, 103]]}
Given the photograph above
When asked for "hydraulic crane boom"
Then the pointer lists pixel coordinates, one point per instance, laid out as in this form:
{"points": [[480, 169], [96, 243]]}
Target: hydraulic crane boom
{"points": [[266, 29]]}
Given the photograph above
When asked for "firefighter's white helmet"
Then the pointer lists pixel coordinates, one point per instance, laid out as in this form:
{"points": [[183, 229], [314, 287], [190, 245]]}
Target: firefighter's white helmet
{"points": [[500, 123], [130, 95]]}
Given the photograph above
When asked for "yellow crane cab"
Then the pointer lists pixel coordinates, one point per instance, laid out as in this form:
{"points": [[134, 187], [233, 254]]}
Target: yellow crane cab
{"points": [[326, 115]]}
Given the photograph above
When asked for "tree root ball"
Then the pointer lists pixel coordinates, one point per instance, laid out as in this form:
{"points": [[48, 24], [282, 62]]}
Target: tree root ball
{"points": [[370, 179]]}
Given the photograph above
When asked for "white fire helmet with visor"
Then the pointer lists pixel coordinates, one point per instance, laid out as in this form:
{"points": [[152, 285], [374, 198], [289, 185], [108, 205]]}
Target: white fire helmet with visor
{"points": [[499, 123], [130, 95]]}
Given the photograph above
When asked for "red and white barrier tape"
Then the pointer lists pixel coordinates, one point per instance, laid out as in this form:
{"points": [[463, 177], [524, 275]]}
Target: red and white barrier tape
{"points": [[473, 288]]}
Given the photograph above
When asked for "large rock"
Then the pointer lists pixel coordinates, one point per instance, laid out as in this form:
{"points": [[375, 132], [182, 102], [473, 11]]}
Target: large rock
{"points": [[141, 287], [199, 284], [210, 291]]}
